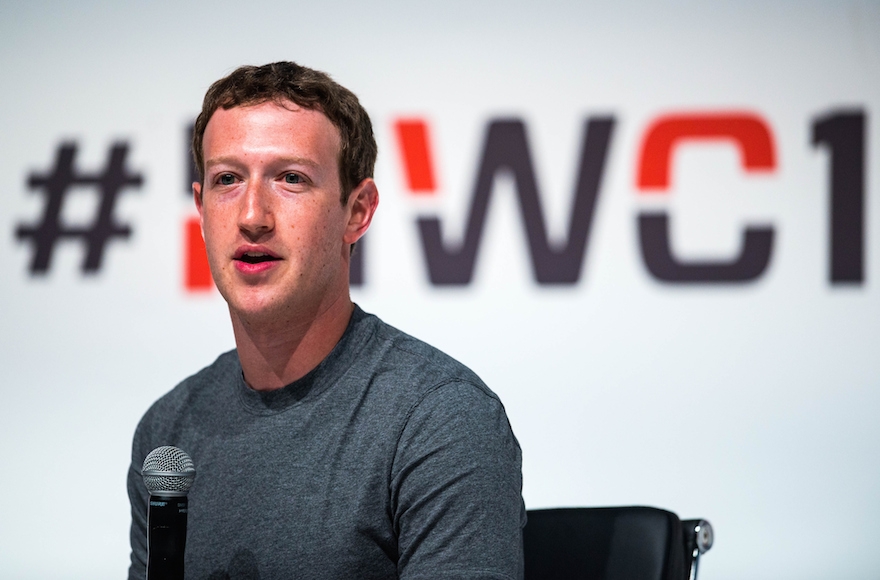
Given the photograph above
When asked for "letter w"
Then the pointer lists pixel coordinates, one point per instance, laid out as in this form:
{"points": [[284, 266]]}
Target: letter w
{"points": [[506, 149]]}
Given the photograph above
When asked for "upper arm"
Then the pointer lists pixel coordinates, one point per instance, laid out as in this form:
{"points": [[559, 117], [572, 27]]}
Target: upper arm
{"points": [[457, 488]]}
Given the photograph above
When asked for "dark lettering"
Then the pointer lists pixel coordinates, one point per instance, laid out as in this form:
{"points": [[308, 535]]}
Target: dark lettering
{"points": [[506, 149]]}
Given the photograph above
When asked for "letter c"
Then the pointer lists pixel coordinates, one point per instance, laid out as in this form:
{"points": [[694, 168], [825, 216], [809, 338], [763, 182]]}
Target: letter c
{"points": [[753, 138]]}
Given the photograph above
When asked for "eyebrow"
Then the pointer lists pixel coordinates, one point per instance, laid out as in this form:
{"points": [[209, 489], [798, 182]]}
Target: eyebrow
{"points": [[280, 161]]}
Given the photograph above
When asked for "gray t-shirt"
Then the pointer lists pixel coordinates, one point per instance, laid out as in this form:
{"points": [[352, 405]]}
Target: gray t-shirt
{"points": [[388, 460]]}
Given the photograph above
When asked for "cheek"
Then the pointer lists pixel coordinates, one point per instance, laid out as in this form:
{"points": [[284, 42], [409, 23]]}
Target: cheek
{"points": [[318, 225], [215, 226], [219, 216]]}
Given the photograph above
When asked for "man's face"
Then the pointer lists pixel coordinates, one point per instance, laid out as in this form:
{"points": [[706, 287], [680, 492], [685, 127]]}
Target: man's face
{"points": [[275, 230]]}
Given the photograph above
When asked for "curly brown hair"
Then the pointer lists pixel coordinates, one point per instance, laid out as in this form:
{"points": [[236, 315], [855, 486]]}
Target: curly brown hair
{"points": [[308, 88]]}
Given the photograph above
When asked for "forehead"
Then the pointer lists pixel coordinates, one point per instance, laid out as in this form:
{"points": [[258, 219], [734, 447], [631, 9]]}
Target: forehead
{"points": [[280, 127]]}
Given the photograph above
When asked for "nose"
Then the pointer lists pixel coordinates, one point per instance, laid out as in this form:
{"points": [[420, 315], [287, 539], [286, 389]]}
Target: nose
{"points": [[255, 217]]}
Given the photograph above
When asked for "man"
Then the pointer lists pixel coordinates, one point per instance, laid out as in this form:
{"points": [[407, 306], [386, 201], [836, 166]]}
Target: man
{"points": [[327, 445]]}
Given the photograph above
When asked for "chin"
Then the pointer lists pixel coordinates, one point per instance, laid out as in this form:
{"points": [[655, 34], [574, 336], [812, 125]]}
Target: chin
{"points": [[260, 308], [252, 305]]}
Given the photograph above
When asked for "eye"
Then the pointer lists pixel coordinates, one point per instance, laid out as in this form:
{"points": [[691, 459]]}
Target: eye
{"points": [[226, 179], [293, 178]]}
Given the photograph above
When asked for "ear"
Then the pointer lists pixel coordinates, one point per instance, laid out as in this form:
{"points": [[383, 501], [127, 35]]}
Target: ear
{"points": [[361, 206], [197, 197]]}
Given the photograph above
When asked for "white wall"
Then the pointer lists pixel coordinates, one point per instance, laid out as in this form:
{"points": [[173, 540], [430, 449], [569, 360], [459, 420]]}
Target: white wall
{"points": [[752, 405]]}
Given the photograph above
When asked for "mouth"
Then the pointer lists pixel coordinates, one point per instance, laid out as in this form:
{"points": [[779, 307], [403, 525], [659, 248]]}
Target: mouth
{"points": [[255, 257]]}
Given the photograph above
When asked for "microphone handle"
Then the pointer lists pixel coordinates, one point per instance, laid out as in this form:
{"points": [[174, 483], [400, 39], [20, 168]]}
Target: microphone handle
{"points": [[166, 539]]}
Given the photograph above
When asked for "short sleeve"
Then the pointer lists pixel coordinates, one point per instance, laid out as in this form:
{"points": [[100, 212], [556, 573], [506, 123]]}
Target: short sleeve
{"points": [[456, 488]]}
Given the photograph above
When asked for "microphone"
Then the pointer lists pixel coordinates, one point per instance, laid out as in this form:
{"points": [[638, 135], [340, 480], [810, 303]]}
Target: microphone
{"points": [[168, 474]]}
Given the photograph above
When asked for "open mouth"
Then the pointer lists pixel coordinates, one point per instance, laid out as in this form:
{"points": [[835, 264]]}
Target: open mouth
{"points": [[256, 258]]}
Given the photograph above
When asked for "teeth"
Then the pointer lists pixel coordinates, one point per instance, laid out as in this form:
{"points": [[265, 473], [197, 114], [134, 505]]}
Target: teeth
{"points": [[254, 257]]}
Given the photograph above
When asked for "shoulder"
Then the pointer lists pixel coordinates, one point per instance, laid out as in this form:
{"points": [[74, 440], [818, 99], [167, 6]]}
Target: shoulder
{"points": [[198, 386], [198, 394], [437, 396], [417, 366]]}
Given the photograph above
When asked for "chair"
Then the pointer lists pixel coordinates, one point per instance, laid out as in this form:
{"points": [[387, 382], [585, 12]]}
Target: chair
{"points": [[613, 543]]}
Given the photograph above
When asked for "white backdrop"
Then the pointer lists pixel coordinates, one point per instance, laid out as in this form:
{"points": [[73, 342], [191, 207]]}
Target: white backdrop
{"points": [[752, 405]]}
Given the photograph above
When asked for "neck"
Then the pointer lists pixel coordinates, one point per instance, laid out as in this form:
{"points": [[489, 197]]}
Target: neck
{"points": [[274, 353]]}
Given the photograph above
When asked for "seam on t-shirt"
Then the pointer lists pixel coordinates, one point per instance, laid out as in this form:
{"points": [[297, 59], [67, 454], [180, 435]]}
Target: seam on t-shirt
{"points": [[425, 395]]}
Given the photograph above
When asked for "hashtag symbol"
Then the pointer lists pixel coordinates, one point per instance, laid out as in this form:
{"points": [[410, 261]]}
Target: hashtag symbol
{"points": [[56, 185]]}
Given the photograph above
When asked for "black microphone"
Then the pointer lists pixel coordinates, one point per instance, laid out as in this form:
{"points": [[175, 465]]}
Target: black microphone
{"points": [[168, 474]]}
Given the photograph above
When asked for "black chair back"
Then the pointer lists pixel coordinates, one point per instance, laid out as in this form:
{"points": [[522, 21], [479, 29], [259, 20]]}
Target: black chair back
{"points": [[613, 543]]}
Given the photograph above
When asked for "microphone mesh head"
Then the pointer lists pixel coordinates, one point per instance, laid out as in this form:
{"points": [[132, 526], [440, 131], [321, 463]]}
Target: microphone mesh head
{"points": [[168, 469]]}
